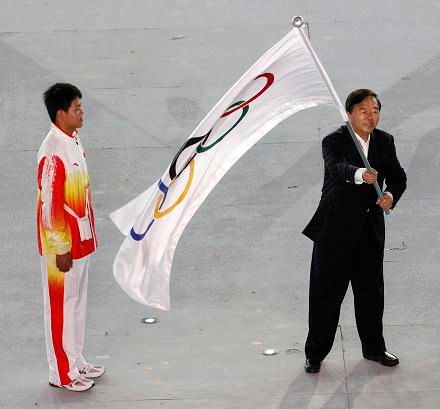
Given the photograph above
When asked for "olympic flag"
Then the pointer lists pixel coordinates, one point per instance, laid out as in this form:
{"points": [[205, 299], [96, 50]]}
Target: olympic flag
{"points": [[286, 79]]}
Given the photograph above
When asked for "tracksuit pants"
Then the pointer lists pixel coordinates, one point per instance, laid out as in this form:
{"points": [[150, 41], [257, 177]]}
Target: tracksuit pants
{"points": [[65, 304]]}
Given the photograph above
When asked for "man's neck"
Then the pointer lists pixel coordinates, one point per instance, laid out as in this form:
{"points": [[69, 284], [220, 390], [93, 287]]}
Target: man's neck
{"points": [[67, 131], [364, 138]]}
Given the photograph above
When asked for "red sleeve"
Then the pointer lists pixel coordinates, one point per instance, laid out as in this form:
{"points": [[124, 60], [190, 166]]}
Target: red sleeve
{"points": [[51, 178]]}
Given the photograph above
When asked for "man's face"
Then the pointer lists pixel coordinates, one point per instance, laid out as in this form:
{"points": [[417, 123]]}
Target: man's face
{"points": [[365, 116], [73, 118]]}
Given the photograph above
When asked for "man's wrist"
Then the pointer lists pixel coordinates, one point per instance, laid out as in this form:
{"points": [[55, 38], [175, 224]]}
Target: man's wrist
{"points": [[358, 179]]}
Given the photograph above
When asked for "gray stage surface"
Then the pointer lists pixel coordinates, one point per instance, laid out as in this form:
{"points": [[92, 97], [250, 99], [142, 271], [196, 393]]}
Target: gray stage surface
{"points": [[150, 71]]}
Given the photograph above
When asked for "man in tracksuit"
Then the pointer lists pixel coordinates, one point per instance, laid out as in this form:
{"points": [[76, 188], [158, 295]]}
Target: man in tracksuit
{"points": [[66, 238]]}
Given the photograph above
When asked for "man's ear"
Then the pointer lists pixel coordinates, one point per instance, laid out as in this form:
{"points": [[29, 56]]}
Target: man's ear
{"points": [[59, 115]]}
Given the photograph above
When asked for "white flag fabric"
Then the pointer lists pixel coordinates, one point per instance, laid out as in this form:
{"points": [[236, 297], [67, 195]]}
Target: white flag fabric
{"points": [[286, 79]]}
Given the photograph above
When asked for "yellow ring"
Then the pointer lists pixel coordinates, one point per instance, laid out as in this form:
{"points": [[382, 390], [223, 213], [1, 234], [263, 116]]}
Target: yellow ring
{"points": [[157, 213]]}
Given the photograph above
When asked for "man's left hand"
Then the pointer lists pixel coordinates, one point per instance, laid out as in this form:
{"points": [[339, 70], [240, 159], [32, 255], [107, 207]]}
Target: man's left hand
{"points": [[386, 202]]}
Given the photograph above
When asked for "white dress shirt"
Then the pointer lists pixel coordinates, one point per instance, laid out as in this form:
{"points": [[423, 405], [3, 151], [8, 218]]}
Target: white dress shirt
{"points": [[358, 179]]}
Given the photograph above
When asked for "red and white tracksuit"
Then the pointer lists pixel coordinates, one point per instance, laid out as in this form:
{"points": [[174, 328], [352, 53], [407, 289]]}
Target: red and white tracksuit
{"points": [[65, 223]]}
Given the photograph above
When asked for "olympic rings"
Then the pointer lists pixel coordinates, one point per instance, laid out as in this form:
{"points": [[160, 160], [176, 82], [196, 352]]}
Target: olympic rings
{"points": [[200, 140]]}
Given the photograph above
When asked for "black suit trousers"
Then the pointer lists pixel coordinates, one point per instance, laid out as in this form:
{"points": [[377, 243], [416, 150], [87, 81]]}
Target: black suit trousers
{"points": [[330, 274]]}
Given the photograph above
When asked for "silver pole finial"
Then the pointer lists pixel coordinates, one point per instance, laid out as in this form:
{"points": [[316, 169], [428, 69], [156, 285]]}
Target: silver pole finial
{"points": [[297, 21]]}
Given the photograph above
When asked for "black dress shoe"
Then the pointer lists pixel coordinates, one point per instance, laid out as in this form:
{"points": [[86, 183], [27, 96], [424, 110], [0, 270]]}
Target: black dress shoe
{"points": [[312, 366], [385, 358]]}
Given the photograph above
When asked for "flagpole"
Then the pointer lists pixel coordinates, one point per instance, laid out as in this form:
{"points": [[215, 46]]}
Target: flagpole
{"points": [[298, 22]]}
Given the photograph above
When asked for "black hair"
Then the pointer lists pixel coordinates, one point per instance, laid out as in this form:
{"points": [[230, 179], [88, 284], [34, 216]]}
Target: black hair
{"points": [[60, 96], [357, 96]]}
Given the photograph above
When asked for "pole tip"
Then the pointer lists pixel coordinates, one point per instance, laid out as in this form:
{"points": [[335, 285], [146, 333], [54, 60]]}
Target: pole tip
{"points": [[297, 21]]}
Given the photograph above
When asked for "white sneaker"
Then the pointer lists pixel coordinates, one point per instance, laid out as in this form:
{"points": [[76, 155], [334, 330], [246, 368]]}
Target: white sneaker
{"points": [[79, 384], [92, 371]]}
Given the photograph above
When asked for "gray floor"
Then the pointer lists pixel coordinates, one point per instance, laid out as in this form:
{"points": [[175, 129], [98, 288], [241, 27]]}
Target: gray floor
{"points": [[150, 70]]}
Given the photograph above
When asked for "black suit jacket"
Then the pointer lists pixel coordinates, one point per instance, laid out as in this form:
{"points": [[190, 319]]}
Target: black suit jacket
{"points": [[344, 205]]}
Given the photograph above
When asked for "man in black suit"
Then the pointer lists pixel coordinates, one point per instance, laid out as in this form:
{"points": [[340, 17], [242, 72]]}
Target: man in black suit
{"points": [[348, 232]]}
